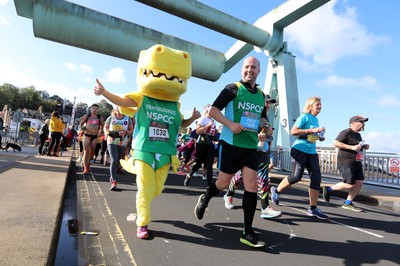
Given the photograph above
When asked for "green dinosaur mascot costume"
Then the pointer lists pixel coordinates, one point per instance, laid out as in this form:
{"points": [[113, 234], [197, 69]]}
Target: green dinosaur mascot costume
{"points": [[161, 78]]}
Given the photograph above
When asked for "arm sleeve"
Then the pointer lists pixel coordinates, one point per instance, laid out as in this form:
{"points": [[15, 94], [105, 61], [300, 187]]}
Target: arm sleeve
{"points": [[226, 95]]}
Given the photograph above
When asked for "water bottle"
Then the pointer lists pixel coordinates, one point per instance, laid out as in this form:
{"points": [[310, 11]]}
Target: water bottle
{"points": [[263, 146], [360, 154]]}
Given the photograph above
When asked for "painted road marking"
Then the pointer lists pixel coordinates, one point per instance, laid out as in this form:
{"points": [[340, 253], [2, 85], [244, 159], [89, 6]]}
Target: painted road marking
{"points": [[348, 226], [120, 244], [92, 244]]}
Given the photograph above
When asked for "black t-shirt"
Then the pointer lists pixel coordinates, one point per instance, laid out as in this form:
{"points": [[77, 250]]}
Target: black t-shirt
{"points": [[193, 134], [349, 137], [44, 131]]}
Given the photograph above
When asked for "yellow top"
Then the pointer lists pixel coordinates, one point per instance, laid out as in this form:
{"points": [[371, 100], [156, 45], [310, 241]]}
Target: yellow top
{"points": [[56, 125]]}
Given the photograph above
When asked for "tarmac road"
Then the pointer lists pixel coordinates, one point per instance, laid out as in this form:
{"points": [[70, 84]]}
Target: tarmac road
{"points": [[178, 238]]}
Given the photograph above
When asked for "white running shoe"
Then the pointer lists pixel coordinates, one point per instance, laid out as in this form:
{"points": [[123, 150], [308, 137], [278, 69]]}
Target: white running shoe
{"points": [[228, 202], [269, 213]]}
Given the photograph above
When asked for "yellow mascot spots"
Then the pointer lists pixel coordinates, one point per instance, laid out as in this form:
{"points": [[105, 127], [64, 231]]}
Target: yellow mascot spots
{"points": [[161, 78]]}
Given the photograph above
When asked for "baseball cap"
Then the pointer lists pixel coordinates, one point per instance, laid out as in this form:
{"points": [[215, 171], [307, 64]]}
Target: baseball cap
{"points": [[269, 99], [357, 118]]}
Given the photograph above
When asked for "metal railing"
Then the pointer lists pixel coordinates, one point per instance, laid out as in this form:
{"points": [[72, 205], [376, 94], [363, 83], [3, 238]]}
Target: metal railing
{"points": [[375, 165], [22, 138]]}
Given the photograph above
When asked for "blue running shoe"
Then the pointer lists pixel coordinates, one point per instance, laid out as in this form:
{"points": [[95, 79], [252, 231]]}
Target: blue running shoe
{"points": [[274, 196], [317, 213]]}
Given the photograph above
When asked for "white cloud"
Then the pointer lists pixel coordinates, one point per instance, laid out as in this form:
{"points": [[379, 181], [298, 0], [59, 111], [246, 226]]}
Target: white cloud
{"points": [[383, 141], [70, 66], [82, 67], [3, 2], [85, 68], [389, 101], [366, 82], [23, 78], [115, 75], [4, 21], [325, 36]]}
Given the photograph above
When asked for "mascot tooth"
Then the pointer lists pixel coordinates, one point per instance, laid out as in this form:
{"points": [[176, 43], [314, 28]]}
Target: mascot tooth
{"points": [[162, 76]]}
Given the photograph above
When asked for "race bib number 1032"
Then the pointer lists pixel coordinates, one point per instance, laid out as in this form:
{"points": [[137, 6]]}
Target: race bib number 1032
{"points": [[158, 131]]}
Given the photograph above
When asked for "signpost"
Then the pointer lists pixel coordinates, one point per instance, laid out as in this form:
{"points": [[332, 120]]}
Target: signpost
{"points": [[394, 165], [18, 117]]}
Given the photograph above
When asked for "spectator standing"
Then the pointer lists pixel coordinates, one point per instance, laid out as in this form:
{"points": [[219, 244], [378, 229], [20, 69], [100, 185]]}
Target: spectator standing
{"points": [[43, 135], [56, 130], [1, 126], [64, 139]]}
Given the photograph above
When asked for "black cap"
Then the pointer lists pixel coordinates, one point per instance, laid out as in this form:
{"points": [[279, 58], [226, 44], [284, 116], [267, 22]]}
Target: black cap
{"points": [[357, 118], [269, 99]]}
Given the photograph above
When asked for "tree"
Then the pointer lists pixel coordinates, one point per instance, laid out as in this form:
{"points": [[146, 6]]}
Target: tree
{"points": [[104, 104], [30, 98], [9, 95], [44, 95], [56, 98]]}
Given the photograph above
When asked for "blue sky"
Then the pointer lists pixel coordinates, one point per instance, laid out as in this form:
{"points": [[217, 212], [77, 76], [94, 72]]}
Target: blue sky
{"points": [[347, 52]]}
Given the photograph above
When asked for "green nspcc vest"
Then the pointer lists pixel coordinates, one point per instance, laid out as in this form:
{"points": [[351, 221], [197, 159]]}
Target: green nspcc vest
{"points": [[157, 126], [245, 109]]}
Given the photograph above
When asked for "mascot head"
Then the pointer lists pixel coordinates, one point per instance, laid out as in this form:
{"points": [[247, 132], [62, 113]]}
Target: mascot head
{"points": [[163, 72]]}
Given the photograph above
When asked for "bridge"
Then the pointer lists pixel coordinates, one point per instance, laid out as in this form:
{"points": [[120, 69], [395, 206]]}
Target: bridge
{"points": [[71, 24]]}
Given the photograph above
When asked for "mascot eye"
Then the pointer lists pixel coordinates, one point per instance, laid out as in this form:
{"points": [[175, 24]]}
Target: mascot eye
{"points": [[185, 56], [159, 48]]}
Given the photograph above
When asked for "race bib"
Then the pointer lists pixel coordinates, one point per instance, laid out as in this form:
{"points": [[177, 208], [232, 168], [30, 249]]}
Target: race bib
{"points": [[158, 131], [360, 156], [312, 138], [250, 121]]}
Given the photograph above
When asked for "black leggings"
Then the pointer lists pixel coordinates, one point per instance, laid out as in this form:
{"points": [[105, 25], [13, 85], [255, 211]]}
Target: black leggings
{"points": [[43, 139], [55, 141], [304, 161], [204, 154]]}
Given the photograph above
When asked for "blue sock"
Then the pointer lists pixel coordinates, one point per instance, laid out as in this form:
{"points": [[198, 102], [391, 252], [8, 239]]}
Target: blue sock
{"points": [[348, 202]]}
